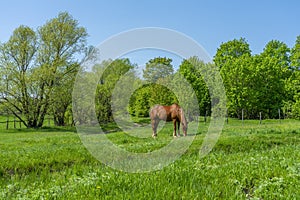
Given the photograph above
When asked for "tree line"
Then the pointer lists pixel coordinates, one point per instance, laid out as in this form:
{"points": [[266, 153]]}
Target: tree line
{"points": [[38, 70], [263, 82]]}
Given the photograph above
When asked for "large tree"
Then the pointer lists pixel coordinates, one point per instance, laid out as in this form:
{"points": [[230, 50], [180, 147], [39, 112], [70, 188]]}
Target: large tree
{"points": [[139, 104], [110, 72], [292, 105], [17, 64], [159, 72], [231, 50], [273, 71], [191, 69], [232, 59], [158, 68], [35, 64]]}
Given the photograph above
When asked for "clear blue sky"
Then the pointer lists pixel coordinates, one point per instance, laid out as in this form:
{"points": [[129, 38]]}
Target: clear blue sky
{"points": [[209, 22]]}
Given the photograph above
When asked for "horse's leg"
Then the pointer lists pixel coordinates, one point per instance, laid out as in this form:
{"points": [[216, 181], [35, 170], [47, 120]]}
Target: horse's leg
{"points": [[178, 122], [154, 123], [174, 132], [184, 130]]}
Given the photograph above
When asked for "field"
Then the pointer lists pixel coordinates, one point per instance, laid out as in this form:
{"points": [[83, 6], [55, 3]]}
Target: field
{"points": [[249, 161]]}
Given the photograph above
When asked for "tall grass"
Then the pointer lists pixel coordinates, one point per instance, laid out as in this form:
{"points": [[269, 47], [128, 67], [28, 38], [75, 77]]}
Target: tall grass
{"points": [[249, 161]]}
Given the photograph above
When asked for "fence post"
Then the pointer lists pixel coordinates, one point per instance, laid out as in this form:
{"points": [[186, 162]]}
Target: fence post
{"points": [[259, 117], [279, 115], [205, 116], [7, 122], [226, 116], [243, 116]]}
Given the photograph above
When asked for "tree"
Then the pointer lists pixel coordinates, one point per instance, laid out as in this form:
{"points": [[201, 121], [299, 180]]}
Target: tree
{"points": [[231, 50], [34, 63], [62, 99], [161, 92], [61, 40], [233, 59], [139, 104], [159, 72], [61, 103], [295, 54], [17, 60], [240, 82], [292, 104], [273, 72], [157, 68], [190, 69], [149, 95], [111, 71]]}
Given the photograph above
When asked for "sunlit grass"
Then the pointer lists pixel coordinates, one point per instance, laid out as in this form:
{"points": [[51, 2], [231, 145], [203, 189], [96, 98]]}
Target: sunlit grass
{"points": [[249, 161]]}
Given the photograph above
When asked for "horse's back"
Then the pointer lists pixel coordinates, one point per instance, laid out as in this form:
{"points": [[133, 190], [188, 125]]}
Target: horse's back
{"points": [[166, 113]]}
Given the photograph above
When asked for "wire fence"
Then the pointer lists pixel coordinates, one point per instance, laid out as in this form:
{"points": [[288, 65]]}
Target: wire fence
{"points": [[9, 121]]}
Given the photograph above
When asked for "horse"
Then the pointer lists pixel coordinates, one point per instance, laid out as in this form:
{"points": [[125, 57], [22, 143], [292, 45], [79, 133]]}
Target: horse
{"points": [[168, 113]]}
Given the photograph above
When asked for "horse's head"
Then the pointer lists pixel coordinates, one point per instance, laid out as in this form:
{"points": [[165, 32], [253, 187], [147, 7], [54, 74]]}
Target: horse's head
{"points": [[184, 128]]}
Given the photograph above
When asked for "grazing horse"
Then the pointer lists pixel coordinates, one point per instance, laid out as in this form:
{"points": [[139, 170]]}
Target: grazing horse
{"points": [[168, 113]]}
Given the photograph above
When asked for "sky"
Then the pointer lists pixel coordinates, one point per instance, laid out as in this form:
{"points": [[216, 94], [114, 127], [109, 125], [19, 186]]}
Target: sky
{"points": [[208, 22]]}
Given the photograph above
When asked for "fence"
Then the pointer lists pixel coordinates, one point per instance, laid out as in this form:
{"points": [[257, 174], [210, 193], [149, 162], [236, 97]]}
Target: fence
{"points": [[10, 121], [15, 122], [260, 116], [206, 118]]}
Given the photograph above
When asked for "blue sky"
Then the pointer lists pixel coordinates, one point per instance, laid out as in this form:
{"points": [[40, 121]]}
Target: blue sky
{"points": [[208, 22]]}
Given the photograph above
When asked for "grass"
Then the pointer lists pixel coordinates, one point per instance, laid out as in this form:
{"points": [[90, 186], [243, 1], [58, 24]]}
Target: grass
{"points": [[249, 161]]}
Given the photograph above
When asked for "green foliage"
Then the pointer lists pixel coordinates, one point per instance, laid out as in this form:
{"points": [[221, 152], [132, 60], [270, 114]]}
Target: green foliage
{"points": [[16, 63], [162, 93], [37, 64], [157, 68], [159, 72], [232, 58], [295, 55], [231, 50], [61, 40], [149, 95], [38, 70], [191, 71], [255, 83], [274, 71], [110, 72], [139, 104]]}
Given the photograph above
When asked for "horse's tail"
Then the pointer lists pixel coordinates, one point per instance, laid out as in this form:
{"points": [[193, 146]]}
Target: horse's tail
{"points": [[182, 116]]}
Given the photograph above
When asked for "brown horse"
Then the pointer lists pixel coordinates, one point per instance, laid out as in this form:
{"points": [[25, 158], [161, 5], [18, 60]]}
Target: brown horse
{"points": [[168, 113]]}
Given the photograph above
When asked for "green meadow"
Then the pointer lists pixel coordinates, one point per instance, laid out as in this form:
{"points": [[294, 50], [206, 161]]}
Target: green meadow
{"points": [[249, 161]]}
